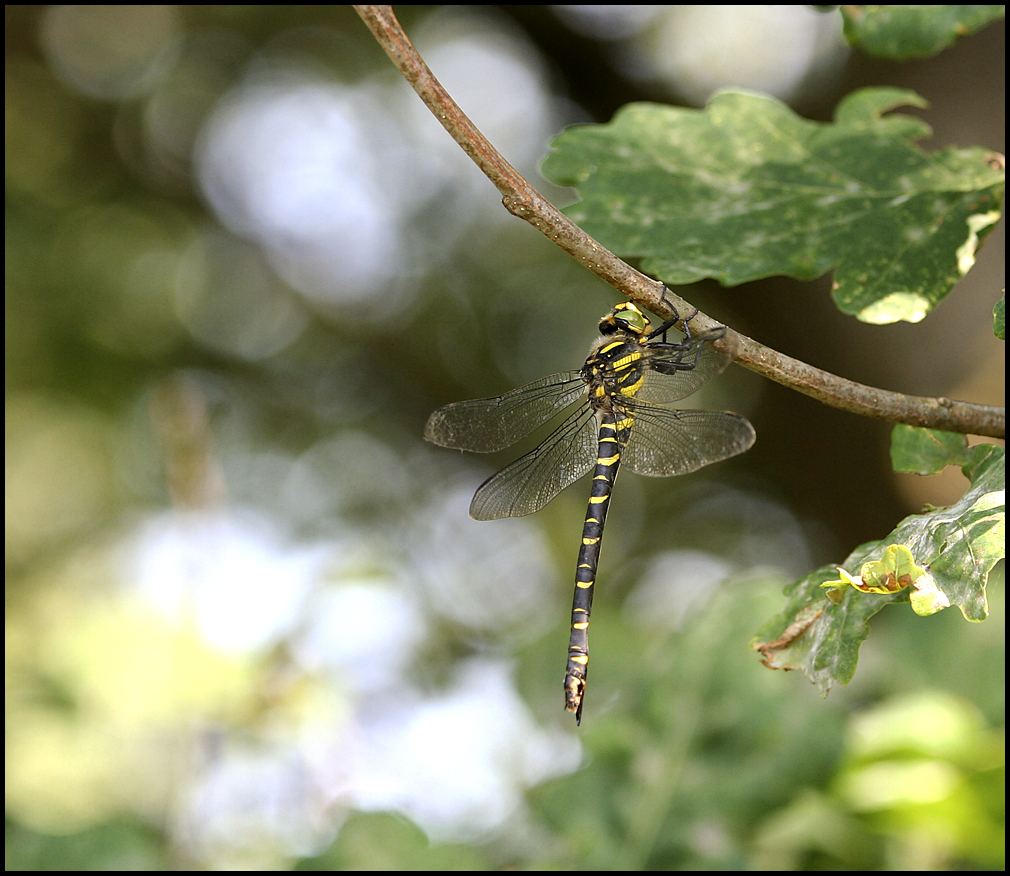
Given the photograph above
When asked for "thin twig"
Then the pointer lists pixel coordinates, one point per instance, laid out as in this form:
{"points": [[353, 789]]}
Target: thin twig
{"points": [[524, 201]]}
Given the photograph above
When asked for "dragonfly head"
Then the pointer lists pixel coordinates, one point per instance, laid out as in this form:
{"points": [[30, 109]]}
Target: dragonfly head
{"points": [[625, 317]]}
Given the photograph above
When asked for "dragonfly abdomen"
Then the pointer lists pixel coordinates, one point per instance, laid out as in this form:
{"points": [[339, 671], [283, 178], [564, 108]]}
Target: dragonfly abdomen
{"points": [[614, 435]]}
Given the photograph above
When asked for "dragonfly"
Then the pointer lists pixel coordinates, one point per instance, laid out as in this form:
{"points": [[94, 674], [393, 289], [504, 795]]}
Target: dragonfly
{"points": [[613, 411]]}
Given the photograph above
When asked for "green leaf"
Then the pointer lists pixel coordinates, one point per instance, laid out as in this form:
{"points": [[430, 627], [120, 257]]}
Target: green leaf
{"points": [[956, 546], [929, 451], [902, 32], [746, 189], [927, 598], [894, 571], [999, 319]]}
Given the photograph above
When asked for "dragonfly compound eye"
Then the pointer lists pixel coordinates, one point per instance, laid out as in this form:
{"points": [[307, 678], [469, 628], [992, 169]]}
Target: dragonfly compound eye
{"points": [[625, 317]]}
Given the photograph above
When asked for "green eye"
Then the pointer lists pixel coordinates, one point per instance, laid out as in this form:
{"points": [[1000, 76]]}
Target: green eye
{"points": [[632, 318]]}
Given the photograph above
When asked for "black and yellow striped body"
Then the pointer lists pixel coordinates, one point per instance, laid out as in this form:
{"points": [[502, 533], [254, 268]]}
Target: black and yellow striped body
{"points": [[614, 374], [614, 410]]}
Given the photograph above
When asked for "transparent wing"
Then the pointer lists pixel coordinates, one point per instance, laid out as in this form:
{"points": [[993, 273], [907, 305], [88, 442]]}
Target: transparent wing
{"points": [[530, 482], [676, 370], [667, 442], [485, 425]]}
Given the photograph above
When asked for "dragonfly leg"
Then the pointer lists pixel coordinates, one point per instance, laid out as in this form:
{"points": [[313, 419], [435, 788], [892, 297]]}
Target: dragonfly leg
{"points": [[666, 326]]}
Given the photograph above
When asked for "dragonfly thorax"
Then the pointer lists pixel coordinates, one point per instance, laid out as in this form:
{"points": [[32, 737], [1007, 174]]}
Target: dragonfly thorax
{"points": [[614, 370]]}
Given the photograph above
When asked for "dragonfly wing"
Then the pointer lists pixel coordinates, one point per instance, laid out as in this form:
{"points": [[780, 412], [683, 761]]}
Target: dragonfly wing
{"points": [[666, 442], [530, 482], [485, 425], [677, 370]]}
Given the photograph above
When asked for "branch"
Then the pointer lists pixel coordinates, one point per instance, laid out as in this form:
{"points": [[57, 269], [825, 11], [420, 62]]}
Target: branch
{"points": [[524, 201]]}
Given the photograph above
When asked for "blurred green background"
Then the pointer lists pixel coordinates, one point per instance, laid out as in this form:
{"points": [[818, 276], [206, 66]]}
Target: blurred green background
{"points": [[249, 622]]}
